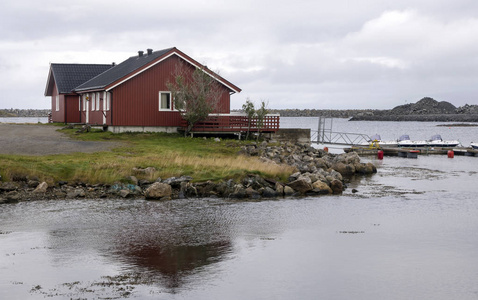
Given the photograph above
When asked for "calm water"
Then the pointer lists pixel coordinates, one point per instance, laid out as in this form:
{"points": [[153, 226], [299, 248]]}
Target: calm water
{"points": [[408, 233], [24, 120]]}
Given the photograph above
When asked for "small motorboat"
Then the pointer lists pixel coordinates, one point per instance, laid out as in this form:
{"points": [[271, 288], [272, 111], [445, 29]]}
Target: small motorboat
{"points": [[376, 140], [406, 142], [437, 141], [474, 145]]}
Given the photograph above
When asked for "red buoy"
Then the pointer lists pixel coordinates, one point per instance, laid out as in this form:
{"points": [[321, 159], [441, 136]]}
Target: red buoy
{"points": [[451, 154], [326, 149], [380, 154]]}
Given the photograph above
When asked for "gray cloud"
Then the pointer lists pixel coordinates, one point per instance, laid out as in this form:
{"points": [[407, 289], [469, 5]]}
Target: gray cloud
{"points": [[312, 54]]}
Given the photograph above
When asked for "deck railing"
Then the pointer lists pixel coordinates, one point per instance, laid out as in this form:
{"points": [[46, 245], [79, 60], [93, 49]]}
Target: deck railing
{"points": [[235, 123]]}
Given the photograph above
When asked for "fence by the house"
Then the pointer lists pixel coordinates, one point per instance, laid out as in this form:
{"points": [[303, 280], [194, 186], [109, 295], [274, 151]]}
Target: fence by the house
{"points": [[235, 123]]}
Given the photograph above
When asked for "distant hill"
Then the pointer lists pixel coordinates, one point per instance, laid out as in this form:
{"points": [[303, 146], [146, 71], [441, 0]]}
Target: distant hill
{"points": [[427, 109]]}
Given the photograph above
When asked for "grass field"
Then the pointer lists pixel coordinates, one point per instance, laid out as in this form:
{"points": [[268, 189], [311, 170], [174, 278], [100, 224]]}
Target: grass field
{"points": [[170, 154]]}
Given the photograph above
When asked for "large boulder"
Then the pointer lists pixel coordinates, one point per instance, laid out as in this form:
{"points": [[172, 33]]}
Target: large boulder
{"points": [[344, 169], [303, 184], [321, 187], [158, 190], [367, 168], [336, 186]]}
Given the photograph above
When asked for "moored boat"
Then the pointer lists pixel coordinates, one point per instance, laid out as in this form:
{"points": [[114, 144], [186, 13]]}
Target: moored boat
{"points": [[437, 141], [377, 140], [474, 145], [406, 142]]}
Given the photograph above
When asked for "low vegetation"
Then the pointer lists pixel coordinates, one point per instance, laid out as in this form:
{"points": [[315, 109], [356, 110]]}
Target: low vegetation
{"points": [[170, 155]]}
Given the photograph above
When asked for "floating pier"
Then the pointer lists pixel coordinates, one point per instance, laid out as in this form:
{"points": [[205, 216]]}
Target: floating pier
{"points": [[411, 152]]}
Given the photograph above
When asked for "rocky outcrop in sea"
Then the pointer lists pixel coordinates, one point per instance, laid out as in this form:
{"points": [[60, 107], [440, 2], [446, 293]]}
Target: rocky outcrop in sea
{"points": [[427, 109], [318, 173]]}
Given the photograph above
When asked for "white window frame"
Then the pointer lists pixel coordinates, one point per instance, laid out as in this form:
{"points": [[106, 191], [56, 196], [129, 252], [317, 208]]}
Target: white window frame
{"points": [[57, 103], [97, 101], [93, 101], [79, 102], [85, 99], [170, 101], [108, 101]]}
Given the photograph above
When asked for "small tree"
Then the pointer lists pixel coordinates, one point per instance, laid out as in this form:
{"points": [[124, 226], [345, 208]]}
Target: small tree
{"points": [[196, 94], [261, 115], [250, 111]]}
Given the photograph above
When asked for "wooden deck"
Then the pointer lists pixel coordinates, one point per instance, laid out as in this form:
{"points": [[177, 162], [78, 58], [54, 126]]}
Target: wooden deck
{"points": [[235, 123]]}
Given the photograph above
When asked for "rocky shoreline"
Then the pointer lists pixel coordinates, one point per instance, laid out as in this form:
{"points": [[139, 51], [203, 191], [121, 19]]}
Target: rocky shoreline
{"points": [[318, 173]]}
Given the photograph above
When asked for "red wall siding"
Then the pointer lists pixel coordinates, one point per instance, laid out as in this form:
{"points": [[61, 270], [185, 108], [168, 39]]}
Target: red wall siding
{"points": [[57, 116], [136, 101]]}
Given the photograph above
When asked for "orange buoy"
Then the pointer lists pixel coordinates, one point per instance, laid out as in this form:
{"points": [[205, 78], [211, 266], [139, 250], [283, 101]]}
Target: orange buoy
{"points": [[380, 154], [326, 149], [451, 154]]}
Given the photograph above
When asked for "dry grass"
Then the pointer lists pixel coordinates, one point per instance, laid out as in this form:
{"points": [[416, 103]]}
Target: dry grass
{"points": [[170, 155]]}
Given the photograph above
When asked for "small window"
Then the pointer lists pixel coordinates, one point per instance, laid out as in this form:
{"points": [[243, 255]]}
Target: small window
{"points": [[85, 99], [98, 101], [108, 100], [164, 101], [57, 103], [93, 100]]}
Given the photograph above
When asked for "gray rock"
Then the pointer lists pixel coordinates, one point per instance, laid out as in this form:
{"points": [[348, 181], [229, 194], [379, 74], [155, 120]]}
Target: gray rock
{"points": [[288, 191], [321, 187], [124, 193], [268, 193], [301, 185], [279, 189], [41, 188], [176, 181], [158, 190], [337, 186], [8, 186], [75, 193]]}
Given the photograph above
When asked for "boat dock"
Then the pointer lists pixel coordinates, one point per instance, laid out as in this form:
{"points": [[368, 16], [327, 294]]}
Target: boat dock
{"points": [[411, 152]]}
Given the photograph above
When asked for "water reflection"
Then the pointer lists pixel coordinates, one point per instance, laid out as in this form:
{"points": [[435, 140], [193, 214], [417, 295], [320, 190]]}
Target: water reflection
{"points": [[410, 228], [172, 265]]}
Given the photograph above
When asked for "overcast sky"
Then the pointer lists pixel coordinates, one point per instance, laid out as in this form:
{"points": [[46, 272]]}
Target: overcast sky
{"points": [[294, 54]]}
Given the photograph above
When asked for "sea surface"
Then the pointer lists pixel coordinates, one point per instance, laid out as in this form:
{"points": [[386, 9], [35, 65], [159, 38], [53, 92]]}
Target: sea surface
{"points": [[33, 120], [409, 232]]}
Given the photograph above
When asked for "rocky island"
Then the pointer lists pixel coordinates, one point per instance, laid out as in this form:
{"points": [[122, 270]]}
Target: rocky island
{"points": [[427, 109]]}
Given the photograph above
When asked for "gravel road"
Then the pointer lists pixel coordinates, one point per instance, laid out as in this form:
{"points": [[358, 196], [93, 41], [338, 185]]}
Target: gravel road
{"points": [[43, 140]]}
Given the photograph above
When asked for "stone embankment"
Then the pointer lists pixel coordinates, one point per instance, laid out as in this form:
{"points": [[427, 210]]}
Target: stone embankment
{"points": [[318, 173]]}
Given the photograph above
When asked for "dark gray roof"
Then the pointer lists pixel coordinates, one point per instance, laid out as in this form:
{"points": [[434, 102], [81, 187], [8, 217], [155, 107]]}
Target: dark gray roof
{"points": [[69, 76], [128, 66]]}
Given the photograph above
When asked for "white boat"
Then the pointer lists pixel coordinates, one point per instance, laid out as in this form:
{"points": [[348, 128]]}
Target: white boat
{"points": [[437, 141], [377, 140], [474, 146], [406, 142]]}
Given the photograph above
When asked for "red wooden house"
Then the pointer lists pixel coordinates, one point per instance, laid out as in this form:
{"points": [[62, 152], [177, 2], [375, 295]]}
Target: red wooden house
{"points": [[133, 96]]}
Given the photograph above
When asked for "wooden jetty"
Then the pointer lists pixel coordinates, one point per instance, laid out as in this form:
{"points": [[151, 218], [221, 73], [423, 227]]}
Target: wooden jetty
{"points": [[411, 152]]}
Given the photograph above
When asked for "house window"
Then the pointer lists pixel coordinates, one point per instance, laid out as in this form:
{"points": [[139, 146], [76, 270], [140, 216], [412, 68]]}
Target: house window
{"points": [[97, 101], [79, 103], [108, 100], [164, 101], [85, 98], [57, 102], [93, 100]]}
